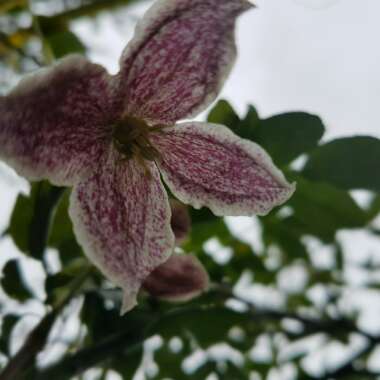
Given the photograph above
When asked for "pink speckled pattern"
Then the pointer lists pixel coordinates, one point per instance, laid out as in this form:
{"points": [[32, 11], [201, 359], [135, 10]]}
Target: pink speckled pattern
{"points": [[179, 279], [180, 56], [59, 124], [121, 218], [54, 124], [207, 165]]}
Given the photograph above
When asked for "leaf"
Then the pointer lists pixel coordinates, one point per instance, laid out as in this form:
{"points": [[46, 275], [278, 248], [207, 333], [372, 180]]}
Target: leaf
{"points": [[224, 114], [62, 236], [207, 325], [8, 323], [285, 137], [286, 233], [103, 320], [13, 283], [59, 38], [244, 258], [169, 364], [349, 163], [21, 220], [30, 220], [65, 42], [204, 226], [127, 365], [323, 209], [248, 125], [61, 228]]}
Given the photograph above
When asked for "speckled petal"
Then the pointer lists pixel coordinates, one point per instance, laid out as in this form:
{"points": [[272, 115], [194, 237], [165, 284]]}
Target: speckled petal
{"points": [[179, 279], [121, 218], [207, 165], [55, 123], [179, 58]]}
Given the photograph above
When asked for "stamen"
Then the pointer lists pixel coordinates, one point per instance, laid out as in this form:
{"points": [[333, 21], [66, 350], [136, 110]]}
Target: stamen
{"points": [[131, 139]]}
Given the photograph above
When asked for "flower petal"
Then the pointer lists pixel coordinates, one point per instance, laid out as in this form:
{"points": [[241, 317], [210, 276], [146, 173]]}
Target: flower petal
{"points": [[181, 278], [180, 221], [207, 165], [53, 124], [179, 58], [121, 218]]}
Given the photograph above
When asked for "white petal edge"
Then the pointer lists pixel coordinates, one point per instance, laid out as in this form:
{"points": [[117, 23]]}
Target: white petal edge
{"points": [[252, 149]]}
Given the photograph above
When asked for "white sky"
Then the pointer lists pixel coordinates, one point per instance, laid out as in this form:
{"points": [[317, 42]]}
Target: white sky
{"points": [[320, 56], [326, 60]]}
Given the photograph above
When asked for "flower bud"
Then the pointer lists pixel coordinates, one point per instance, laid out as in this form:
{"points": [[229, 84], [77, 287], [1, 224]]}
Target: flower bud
{"points": [[180, 221], [181, 278]]}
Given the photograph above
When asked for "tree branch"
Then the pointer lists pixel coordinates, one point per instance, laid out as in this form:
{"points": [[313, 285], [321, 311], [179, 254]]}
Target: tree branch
{"points": [[36, 340], [126, 342]]}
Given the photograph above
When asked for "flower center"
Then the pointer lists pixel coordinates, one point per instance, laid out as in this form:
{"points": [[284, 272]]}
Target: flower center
{"points": [[131, 139]]}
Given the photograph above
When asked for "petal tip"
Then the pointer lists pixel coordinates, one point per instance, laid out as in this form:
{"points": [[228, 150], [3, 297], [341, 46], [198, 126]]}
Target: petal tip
{"points": [[129, 301], [249, 4], [289, 190], [286, 193]]}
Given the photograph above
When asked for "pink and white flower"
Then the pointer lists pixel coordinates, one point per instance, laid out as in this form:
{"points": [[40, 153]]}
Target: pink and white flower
{"points": [[110, 137]]}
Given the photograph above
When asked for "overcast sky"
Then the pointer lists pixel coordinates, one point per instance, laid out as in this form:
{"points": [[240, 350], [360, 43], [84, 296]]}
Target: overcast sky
{"points": [[326, 60], [320, 56]]}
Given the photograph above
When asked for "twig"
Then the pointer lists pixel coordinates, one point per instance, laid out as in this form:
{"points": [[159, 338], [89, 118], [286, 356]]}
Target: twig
{"points": [[332, 326], [127, 342]]}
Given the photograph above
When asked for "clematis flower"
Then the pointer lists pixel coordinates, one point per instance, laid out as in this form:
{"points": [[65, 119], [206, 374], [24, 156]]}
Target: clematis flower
{"points": [[181, 278], [110, 137]]}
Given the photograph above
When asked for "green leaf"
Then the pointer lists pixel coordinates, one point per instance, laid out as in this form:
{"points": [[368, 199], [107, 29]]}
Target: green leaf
{"points": [[63, 43], [244, 258], [286, 233], [30, 220], [13, 282], [169, 364], [248, 125], [59, 38], [285, 137], [62, 236], [208, 325], [127, 365], [204, 226], [62, 228], [349, 163], [21, 220], [103, 320], [8, 323], [323, 209], [224, 114]]}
